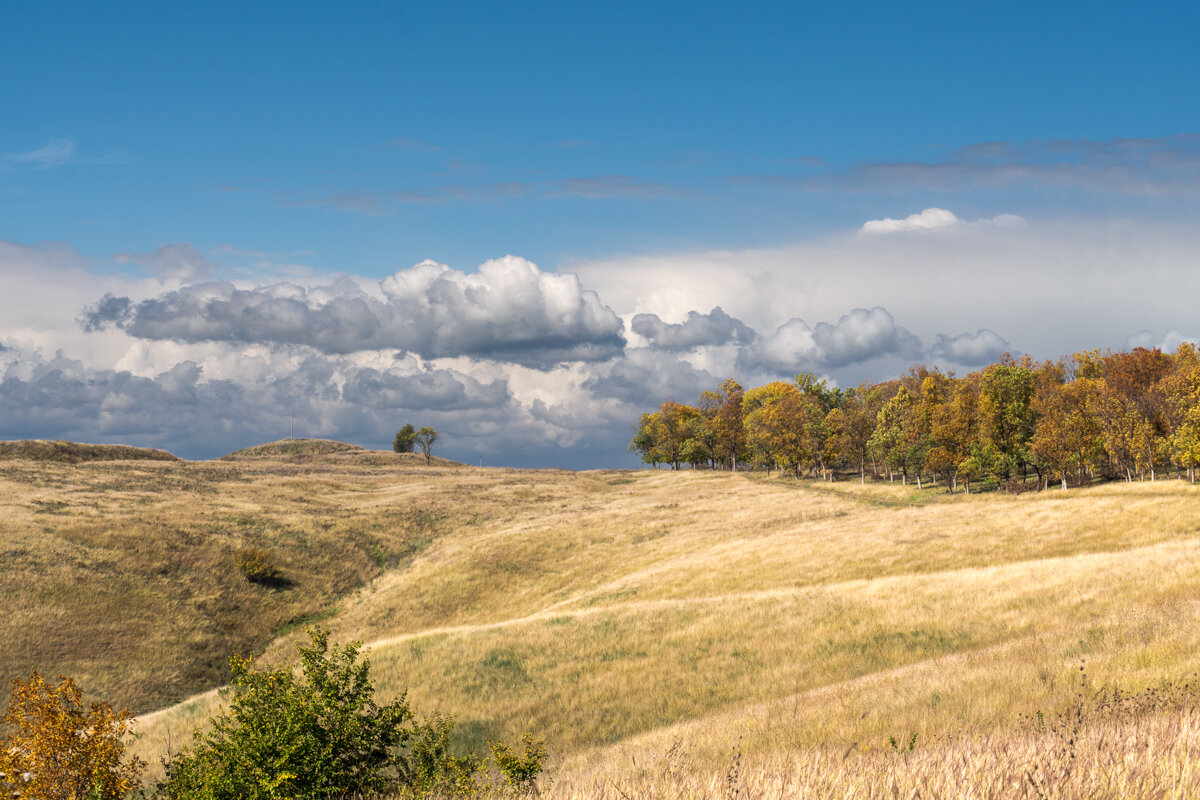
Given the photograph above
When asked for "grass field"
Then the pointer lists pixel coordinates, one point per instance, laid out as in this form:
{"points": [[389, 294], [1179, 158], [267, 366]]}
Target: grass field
{"points": [[687, 634]]}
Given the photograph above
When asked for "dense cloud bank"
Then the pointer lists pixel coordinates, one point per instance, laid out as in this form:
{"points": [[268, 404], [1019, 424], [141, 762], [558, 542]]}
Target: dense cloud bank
{"points": [[861, 335], [186, 411], [510, 310], [698, 330], [516, 364], [969, 349]]}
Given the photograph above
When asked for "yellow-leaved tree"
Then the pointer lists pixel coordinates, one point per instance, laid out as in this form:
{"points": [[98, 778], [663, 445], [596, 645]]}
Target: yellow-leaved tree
{"points": [[60, 748]]}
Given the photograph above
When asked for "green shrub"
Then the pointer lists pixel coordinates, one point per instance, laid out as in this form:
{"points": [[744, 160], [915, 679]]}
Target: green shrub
{"points": [[520, 771], [320, 734]]}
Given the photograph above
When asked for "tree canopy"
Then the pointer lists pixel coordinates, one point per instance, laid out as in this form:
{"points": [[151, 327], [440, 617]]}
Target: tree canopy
{"points": [[1087, 417]]}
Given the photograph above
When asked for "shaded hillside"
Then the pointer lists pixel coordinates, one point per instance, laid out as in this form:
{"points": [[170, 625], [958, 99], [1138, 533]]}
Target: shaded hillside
{"points": [[126, 574]]}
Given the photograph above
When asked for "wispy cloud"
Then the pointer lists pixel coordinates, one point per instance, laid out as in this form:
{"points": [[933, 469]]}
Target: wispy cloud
{"points": [[1152, 166], [607, 186], [54, 154], [172, 262], [58, 153], [406, 143], [379, 203], [234, 250]]}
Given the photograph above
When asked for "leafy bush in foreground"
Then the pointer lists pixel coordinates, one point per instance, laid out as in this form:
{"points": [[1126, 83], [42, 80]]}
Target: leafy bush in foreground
{"points": [[322, 735]]}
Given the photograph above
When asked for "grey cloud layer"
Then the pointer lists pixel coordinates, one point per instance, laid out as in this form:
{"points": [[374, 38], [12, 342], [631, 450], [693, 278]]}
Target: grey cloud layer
{"points": [[184, 411], [861, 335], [645, 377], [517, 364], [970, 349], [698, 330], [509, 311]]}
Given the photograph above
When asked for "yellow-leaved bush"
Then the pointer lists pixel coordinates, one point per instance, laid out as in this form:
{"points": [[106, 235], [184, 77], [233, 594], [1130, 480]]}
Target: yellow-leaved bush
{"points": [[60, 748]]}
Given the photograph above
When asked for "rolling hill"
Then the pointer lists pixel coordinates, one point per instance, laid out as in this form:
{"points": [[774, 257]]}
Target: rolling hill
{"points": [[653, 626]]}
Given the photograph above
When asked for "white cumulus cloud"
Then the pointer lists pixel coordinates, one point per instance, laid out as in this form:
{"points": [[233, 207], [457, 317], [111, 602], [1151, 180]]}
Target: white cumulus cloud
{"points": [[933, 218], [510, 311]]}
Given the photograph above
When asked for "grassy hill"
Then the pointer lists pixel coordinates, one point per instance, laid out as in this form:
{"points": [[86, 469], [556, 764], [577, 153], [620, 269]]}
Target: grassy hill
{"points": [[651, 625], [307, 451], [294, 447], [74, 452], [125, 574]]}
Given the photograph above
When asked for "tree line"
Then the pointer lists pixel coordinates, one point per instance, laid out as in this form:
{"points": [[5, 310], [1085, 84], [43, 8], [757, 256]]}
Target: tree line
{"points": [[1092, 416]]}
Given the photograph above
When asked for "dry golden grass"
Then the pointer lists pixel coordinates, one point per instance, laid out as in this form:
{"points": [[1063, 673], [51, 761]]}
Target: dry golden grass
{"points": [[74, 452], [624, 616], [124, 574]]}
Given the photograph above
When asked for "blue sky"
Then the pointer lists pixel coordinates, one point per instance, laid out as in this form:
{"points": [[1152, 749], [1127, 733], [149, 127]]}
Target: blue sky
{"points": [[630, 144]]}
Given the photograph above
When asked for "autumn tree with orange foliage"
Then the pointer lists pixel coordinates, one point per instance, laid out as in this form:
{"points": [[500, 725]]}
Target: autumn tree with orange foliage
{"points": [[1093, 416], [60, 748]]}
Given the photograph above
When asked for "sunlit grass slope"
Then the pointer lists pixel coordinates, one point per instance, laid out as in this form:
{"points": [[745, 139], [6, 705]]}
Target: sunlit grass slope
{"points": [[624, 616], [124, 574]]}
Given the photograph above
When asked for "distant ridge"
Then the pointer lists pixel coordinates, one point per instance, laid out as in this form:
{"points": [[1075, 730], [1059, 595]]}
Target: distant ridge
{"points": [[294, 447], [333, 450], [75, 452]]}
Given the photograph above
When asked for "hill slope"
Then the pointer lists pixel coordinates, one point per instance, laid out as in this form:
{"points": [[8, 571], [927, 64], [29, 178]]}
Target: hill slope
{"points": [[75, 453], [621, 615], [624, 613]]}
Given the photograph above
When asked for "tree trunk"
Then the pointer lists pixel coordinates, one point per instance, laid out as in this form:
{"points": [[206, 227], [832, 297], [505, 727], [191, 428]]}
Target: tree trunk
{"points": [[734, 463], [918, 480], [1064, 477], [862, 472]]}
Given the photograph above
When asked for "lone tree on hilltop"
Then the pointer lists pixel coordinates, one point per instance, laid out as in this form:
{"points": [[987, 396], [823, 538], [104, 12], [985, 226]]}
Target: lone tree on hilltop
{"points": [[405, 437], [425, 439]]}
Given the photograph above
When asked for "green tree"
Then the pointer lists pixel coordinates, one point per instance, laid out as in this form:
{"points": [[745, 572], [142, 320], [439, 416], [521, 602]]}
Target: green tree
{"points": [[668, 436], [319, 734], [954, 428], [779, 422], [425, 439], [1007, 414], [405, 438], [893, 436], [1182, 390], [728, 424], [645, 440]]}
